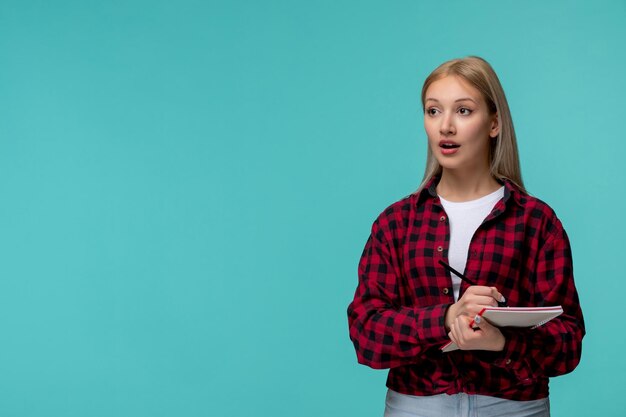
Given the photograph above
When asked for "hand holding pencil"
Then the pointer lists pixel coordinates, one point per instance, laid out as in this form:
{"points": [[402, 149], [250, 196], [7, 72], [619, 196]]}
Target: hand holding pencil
{"points": [[474, 299], [459, 321]]}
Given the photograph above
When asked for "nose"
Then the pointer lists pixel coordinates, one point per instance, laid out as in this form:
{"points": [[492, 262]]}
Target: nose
{"points": [[447, 125]]}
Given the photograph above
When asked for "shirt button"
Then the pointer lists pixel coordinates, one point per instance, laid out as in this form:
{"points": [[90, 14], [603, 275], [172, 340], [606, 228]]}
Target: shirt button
{"points": [[439, 248], [446, 291], [442, 218], [508, 361]]}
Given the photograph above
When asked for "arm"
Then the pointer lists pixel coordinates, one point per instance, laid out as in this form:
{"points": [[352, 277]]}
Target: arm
{"points": [[554, 348], [386, 333]]}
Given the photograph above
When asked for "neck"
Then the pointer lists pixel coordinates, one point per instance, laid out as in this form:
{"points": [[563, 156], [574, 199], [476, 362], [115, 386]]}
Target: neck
{"points": [[466, 186]]}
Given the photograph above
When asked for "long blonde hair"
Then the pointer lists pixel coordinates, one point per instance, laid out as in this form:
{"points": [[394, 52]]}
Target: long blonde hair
{"points": [[503, 156]]}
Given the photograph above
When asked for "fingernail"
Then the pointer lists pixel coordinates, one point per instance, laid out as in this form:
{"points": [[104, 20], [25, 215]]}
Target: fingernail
{"points": [[502, 299], [477, 319]]}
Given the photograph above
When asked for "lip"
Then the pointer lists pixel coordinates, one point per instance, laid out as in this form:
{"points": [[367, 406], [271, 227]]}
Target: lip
{"points": [[447, 142], [448, 151]]}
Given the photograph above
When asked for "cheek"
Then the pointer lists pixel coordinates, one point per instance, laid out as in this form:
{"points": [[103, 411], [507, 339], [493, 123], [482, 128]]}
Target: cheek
{"points": [[477, 131], [431, 130]]}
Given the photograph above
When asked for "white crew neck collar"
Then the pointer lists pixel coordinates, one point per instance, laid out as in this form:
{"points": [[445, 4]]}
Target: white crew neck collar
{"points": [[496, 195]]}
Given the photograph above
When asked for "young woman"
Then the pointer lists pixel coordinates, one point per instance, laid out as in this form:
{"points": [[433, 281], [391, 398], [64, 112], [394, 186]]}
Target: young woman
{"points": [[472, 212]]}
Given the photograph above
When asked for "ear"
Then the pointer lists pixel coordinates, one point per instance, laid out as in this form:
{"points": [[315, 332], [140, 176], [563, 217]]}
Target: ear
{"points": [[495, 127]]}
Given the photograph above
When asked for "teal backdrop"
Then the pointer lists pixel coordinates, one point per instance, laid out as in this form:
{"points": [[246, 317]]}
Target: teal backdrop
{"points": [[186, 188]]}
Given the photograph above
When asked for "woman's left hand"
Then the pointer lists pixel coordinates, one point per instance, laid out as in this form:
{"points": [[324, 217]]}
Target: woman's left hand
{"points": [[485, 337]]}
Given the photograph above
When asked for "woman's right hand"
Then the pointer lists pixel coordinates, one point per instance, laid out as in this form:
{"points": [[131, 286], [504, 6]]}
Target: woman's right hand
{"points": [[474, 299]]}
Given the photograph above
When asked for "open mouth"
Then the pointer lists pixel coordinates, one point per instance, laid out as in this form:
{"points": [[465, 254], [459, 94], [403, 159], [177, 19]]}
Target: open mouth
{"points": [[449, 145]]}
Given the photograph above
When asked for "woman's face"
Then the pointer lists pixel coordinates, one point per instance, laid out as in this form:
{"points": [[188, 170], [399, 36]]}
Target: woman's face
{"points": [[458, 124]]}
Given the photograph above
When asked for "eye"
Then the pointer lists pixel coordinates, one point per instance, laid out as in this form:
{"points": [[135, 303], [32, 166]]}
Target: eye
{"points": [[431, 111], [465, 111]]}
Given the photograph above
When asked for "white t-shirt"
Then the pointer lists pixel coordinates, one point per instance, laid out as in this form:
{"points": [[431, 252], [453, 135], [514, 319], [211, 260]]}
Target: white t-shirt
{"points": [[464, 218]]}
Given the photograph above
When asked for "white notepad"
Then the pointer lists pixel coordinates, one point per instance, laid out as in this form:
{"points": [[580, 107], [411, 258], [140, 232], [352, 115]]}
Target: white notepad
{"points": [[514, 317]]}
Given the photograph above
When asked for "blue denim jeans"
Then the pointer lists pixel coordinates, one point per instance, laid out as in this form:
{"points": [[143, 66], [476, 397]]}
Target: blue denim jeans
{"points": [[462, 405]]}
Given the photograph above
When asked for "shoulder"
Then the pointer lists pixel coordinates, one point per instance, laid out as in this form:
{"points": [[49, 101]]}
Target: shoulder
{"points": [[540, 216], [395, 217]]}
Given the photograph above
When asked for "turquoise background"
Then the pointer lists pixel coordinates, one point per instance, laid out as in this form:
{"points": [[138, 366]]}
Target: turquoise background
{"points": [[186, 188]]}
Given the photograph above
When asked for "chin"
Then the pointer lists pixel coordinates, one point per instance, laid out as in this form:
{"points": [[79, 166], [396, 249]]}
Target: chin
{"points": [[446, 163]]}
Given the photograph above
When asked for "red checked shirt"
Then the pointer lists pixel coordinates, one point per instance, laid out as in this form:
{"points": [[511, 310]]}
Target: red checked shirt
{"points": [[396, 319]]}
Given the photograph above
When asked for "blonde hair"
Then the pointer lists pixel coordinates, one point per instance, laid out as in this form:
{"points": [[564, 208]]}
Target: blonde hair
{"points": [[503, 156]]}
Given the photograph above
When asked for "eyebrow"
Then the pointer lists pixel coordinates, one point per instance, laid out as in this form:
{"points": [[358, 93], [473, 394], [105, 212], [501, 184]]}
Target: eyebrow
{"points": [[460, 99]]}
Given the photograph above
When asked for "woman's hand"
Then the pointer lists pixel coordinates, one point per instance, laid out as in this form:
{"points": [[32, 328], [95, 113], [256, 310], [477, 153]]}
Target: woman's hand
{"points": [[483, 336], [474, 299]]}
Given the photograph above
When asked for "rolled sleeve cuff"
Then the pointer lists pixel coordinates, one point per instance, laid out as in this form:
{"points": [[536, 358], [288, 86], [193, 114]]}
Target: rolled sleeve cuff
{"points": [[513, 355], [514, 352], [431, 323]]}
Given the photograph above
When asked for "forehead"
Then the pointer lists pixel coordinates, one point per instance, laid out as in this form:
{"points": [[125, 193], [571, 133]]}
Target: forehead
{"points": [[451, 88]]}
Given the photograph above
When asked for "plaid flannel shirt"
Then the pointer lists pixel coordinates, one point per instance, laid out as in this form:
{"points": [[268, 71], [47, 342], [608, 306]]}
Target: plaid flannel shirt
{"points": [[396, 318]]}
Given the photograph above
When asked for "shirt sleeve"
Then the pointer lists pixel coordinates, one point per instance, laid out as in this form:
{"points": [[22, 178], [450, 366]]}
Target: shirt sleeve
{"points": [[385, 333], [554, 348]]}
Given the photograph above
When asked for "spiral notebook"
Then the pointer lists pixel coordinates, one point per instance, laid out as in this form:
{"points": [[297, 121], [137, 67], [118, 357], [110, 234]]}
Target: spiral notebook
{"points": [[514, 317]]}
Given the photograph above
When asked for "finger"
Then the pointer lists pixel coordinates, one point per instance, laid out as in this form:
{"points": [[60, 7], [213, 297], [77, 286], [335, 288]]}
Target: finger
{"points": [[453, 338], [497, 295], [477, 322], [483, 301], [479, 290], [476, 305], [463, 327], [472, 332], [486, 326], [457, 334]]}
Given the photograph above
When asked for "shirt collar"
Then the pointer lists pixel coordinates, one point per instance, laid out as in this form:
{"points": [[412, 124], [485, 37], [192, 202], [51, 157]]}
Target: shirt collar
{"points": [[511, 191]]}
